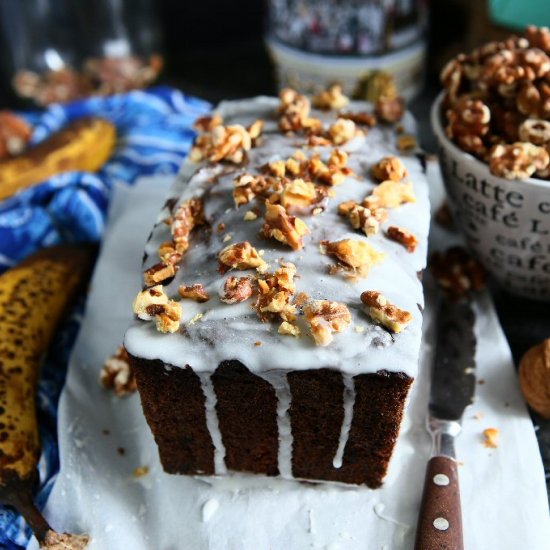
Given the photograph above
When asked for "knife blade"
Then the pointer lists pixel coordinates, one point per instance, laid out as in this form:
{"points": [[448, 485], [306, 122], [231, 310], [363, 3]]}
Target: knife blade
{"points": [[452, 390]]}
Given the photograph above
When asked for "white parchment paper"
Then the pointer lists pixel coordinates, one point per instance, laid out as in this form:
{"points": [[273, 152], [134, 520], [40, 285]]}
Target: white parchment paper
{"points": [[104, 438]]}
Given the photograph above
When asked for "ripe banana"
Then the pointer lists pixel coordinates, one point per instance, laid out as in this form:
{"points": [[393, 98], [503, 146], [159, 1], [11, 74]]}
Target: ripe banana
{"points": [[33, 297], [84, 144]]}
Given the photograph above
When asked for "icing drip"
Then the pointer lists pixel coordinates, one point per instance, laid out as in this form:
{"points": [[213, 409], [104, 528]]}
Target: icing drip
{"points": [[282, 390], [212, 422], [349, 402]]}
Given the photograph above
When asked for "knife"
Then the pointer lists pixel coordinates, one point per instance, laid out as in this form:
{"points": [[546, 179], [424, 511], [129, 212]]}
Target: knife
{"points": [[453, 379]]}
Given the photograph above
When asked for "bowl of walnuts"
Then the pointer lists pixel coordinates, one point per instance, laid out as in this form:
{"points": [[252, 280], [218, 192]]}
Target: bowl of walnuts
{"points": [[492, 124]]}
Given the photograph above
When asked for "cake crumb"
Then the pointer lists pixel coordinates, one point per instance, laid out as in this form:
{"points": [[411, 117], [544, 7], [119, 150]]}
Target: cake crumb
{"points": [[140, 471], [121, 451], [490, 437], [478, 416], [195, 318], [227, 237], [481, 382], [116, 374], [106, 431], [258, 343], [250, 216]]}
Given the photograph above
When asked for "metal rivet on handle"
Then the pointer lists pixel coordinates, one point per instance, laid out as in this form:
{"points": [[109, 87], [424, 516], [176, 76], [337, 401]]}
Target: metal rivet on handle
{"points": [[441, 524], [441, 479]]}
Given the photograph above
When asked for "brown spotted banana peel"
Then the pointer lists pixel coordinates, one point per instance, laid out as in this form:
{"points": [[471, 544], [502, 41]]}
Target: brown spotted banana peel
{"points": [[83, 145], [33, 298]]}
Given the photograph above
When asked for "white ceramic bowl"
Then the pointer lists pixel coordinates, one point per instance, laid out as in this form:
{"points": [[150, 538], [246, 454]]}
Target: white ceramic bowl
{"points": [[505, 222]]}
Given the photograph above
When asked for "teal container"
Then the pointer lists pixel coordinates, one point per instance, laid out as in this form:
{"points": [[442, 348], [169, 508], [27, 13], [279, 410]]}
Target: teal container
{"points": [[517, 14]]}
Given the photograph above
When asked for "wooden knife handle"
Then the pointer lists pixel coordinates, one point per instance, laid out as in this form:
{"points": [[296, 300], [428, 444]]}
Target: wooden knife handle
{"points": [[439, 524]]}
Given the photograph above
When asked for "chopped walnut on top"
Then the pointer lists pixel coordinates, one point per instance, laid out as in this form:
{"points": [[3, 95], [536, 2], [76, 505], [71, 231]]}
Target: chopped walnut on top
{"points": [[294, 110], [457, 272], [275, 292], [355, 254], [283, 227], [208, 123], [390, 194], [332, 98], [390, 109], [153, 303], [389, 168], [518, 160], [248, 187], [342, 131], [381, 310], [362, 118], [116, 374], [299, 194], [331, 172], [195, 292], [240, 256], [365, 219], [159, 273], [402, 236], [236, 290], [189, 215], [229, 143], [326, 318]]}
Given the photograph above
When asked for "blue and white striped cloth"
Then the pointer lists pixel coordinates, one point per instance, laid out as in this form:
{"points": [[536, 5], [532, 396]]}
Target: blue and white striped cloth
{"points": [[154, 133]]}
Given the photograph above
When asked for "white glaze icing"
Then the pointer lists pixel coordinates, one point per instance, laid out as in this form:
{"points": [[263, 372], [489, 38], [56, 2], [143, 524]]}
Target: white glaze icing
{"points": [[230, 331], [279, 382], [349, 402], [212, 422]]}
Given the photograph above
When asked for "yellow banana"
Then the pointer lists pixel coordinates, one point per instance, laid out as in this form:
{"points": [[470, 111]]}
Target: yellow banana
{"points": [[84, 144], [33, 297]]}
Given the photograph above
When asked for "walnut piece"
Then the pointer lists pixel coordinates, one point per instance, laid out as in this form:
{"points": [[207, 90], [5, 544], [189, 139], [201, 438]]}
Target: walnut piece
{"points": [[326, 318], [390, 109], [388, 315], [406, 142], [518, 160], [229, 143], [275, 292], [283, 227], [365, 219], [535, 131], [534, 378], [289, 329], [299, 194], [490, 437], [468, 123], [361, 118], [402, 236], [355, 254], [248, 187], [208, 123], [240, 256], [389, 168], [195, 292], [116, 374], [342, 131], [153, 303], [390, 194], [456, 272], [236, 290], [158, 273], [333, 98], [294, 109], [189, 215]]}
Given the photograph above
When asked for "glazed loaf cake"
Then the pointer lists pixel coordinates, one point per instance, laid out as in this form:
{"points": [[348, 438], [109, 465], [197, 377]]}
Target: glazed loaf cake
{"points": [[279, 325]]}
